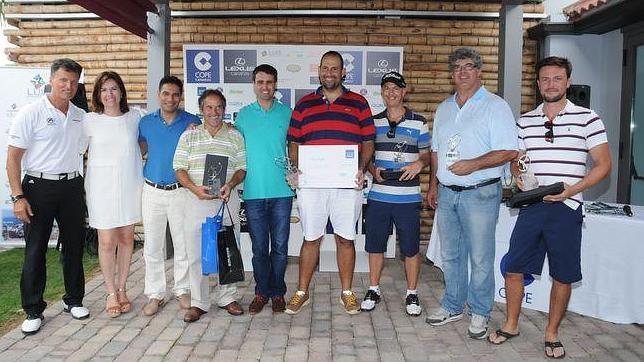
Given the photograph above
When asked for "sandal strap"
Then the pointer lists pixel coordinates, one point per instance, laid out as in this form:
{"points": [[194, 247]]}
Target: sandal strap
{"points": [[504, 334], [555, 344]]}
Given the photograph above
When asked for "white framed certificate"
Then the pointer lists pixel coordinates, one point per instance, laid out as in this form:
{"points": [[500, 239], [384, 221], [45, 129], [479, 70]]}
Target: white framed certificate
{"points": [[328, 166]]}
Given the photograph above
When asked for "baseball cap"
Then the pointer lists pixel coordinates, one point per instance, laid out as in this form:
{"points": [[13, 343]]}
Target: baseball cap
{"points": [[395, 78]]}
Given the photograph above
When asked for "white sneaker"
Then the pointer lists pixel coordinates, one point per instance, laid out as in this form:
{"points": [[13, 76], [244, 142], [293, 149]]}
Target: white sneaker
{"points": [[370, 300], [441, 316], [478, 327], [32, 324], [412, 305], [77, 311]]}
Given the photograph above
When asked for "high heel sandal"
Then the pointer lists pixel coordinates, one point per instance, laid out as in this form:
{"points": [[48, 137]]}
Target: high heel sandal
{"points": [[124, 302], [112, 311]]}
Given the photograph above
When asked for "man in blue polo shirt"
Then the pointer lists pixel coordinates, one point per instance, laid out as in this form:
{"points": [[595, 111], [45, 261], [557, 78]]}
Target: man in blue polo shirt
{"points": [[159, 134], [267, 196]]}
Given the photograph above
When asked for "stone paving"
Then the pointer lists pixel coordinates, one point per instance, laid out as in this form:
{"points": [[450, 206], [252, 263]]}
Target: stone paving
{"points": [[322, 331]]}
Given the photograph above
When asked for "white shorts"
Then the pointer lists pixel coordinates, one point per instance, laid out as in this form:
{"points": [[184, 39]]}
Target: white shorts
{"points": [[317, 206]]}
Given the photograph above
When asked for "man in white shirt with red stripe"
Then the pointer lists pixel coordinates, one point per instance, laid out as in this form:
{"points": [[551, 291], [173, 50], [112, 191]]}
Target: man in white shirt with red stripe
{"points": [[557, 137]]}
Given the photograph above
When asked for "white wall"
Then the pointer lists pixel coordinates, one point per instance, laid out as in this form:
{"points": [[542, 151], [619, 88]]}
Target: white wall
{"points": [[597, 62]]}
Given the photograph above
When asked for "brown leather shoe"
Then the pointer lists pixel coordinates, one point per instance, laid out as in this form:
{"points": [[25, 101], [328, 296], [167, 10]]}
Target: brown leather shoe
{"points": [[193, 314], [278, 304], [234, 308], [257, 304]]}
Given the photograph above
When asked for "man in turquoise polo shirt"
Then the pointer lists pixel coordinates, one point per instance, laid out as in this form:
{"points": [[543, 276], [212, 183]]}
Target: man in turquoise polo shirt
{"points": [[267, 196]]}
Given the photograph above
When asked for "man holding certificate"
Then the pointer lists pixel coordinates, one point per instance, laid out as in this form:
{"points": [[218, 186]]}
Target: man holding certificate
{"points": [[210, 161], [402, 150], [331, 129]]}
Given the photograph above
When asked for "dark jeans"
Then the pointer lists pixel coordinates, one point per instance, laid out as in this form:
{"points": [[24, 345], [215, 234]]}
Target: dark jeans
{"points": [[269, 219], [63, 201]]}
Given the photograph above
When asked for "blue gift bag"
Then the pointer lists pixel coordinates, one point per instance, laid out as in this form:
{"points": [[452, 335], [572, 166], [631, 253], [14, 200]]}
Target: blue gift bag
{"points": [[209, 254]]}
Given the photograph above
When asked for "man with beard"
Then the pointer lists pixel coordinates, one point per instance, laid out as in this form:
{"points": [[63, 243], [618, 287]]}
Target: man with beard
{"points": [[332, 115], [557, 137], [474, 136]]}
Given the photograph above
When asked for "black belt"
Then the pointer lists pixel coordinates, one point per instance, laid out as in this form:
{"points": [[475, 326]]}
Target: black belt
{"points": [[463, 188], [173, 186]]}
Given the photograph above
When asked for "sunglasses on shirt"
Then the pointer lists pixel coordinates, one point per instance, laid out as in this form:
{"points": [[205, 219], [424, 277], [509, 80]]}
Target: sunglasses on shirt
{"points": [[392, 130], [549, 136]]}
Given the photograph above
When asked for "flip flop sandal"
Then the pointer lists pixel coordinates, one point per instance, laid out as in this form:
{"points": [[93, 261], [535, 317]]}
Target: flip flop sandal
{"points": [[124, 302], [504, 334], [552, 346], [113, 310]]}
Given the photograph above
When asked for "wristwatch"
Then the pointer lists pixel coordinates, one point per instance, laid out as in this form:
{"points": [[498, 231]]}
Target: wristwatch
{"points": [[15, 198]]}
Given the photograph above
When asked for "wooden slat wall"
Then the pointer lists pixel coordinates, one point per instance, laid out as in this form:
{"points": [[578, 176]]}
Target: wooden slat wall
{"points": [[99, 45]]}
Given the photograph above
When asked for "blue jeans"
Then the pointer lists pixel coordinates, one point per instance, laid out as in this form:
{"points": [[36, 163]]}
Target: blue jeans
{"points": [[467, 226], [269, 219]]}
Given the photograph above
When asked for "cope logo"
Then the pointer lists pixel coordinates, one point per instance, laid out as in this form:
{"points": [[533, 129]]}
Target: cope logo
{"points": [[239, 65], [353, 66], [527, 278], [203, 66], [379, 63]]}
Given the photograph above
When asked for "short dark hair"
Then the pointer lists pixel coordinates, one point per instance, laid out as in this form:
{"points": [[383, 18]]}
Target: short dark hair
{"points": [[67, 64], [335, 54], [96, 94], [211, 92], [265, 68], [171, 79], [554, 61]]}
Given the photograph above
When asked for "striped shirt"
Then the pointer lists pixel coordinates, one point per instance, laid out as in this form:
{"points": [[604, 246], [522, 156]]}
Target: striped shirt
{"points": [[411, 137], [316, 121], [195, 144], [576, 130]]}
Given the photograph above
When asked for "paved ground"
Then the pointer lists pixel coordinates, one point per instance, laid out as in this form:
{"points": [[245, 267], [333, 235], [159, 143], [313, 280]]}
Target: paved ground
{"points": [[323, 332]]}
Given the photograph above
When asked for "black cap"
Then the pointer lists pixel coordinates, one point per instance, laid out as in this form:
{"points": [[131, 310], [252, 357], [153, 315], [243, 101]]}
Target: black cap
{"points": [[395, 78]]}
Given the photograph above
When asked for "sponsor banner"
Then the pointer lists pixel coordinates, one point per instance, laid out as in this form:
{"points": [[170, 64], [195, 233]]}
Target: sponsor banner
{"points": [[27, 86], [229, 68]]}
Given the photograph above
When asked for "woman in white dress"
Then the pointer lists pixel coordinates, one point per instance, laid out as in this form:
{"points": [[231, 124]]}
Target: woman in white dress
{"points": [[113, 183]]}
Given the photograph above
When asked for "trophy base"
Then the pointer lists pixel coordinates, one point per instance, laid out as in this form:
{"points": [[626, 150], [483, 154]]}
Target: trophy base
{"points": [[533, 196], [391, 174]]}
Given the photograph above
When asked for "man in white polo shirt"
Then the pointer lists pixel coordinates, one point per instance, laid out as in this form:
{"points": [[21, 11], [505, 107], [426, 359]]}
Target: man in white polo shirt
{"points": [[44, 141], [557, 137]]}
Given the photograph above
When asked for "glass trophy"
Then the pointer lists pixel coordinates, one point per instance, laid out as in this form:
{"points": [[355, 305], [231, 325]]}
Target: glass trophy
{"points": [[453, 155], [214, 179], [286, 165], [398, 162], [526, 176]]}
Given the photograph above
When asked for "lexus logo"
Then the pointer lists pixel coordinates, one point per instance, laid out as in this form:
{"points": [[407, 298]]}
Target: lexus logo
{"points": [[383, 63], [240, 61], [202, 61]]}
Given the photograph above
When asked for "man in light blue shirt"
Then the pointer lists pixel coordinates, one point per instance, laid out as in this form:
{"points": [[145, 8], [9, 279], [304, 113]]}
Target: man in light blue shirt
{"points": [[474, 135], [161, 199], [267, 196]]}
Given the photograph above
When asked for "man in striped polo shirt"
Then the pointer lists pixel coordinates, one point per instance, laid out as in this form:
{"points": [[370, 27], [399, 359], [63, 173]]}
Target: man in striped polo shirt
{"points": [[402, 144], [213, 137], [332, 115], [557, 137]]}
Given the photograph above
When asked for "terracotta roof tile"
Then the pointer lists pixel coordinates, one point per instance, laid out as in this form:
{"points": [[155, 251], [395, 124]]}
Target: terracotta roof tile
{"points": [[577, 9]]}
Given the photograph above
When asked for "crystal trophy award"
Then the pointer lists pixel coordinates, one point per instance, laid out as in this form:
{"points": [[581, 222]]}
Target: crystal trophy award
{"points": [[452, 155], [398, 162], [215, 173], [286, 165], [526, 176]]}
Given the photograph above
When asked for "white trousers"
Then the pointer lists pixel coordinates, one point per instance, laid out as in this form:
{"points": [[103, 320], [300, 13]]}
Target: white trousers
{"points": [[159, 208], [196, 211]]}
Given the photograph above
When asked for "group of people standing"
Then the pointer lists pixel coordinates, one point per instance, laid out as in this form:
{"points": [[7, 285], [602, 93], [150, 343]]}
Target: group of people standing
{"points": [[474, 136]]}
